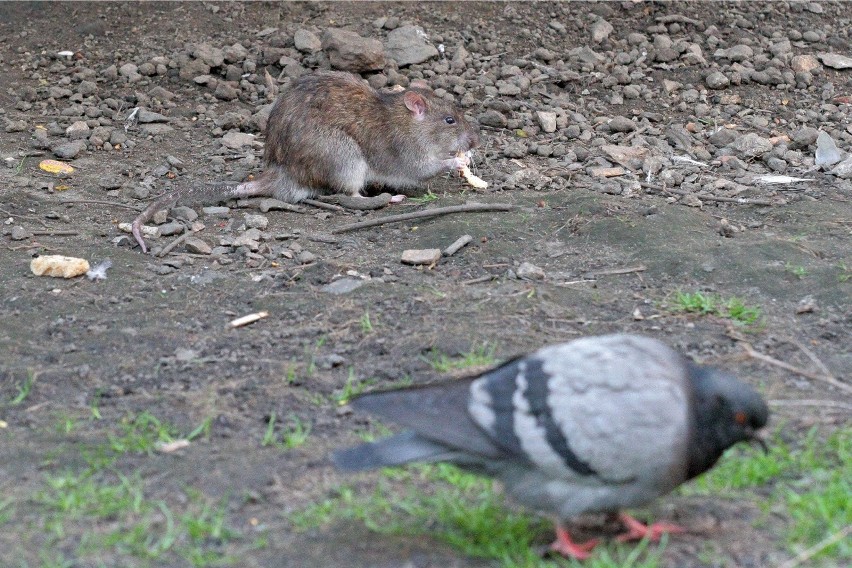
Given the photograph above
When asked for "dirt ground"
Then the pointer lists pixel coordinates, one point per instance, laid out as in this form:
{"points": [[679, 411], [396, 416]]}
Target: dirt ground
{"points": [[154, 336]]}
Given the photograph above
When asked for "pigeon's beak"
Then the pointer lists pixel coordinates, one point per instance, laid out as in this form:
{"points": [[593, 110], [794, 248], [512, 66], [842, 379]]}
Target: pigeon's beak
{"points": [[756, 439]]}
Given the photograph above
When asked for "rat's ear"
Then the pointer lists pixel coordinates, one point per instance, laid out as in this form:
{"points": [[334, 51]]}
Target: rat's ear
{"points": [[416, 104], [419, 84]]}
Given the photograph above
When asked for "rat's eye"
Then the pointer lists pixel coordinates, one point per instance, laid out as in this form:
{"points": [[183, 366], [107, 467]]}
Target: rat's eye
{"points": [[450, 120], [740, 418]]}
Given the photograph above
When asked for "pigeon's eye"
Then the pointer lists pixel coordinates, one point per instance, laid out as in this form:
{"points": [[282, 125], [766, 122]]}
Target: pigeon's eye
{"points": [[740, 418], [450, 120]]}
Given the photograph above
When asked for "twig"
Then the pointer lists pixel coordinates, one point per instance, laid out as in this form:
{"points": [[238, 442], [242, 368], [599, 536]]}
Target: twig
{"points": [[479, 280], [817, 548], [96, 202], [322, 205], [772, 361], [168, 248], [740, 200], [56, 233], [607, 272], [813, 402], [812, 357], [469, 208]]}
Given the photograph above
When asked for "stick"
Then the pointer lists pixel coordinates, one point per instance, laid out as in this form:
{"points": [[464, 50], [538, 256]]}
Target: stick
{"points": [[818, 547], [813, 402], [322, 205], [457, 245], [96, 202], [813, 358], [607, 272], [56, 233], [470, 208], [168, 248], [772, 361], [740, 200]]}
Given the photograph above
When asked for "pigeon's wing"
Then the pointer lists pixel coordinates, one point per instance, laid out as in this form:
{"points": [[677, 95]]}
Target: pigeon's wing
{"points": [[437, 413], [599, 410]]}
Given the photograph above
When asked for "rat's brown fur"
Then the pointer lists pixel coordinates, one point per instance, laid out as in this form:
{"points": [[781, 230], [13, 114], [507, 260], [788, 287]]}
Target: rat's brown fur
{"points": [[330, 132]]}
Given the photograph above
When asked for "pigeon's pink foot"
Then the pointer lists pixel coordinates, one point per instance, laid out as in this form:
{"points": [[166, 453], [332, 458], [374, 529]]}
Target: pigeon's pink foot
{"points": [[567, 547], [638, 531]]}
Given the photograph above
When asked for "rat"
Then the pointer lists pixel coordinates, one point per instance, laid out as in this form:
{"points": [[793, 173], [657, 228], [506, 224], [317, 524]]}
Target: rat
{"points": [[331, 133]]}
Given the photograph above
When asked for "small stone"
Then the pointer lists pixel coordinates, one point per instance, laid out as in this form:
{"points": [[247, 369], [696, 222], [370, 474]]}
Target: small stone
{"points": [[236, 140], [306, 41], [827, 153], [835, 60], [184, 355], [804, 63], [110, 183], [600, 30], [78, 131], [492, 118], [407, 45], [69, 150], [807, 305], [197, 246], [217, 211], [717, 80], [350, 52], [172, 228], [621, 124], [19, 233], [343, 286], [804, 137], [256, 221], [547, 121], [722, 137], [145, 116], [752, 145], [421, 256], [529, 271], [843, 169], [306, 257], [185, 213]]}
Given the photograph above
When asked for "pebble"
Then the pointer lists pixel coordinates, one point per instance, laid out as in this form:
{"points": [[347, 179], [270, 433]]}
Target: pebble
{"points": [[529, 271], [197, 246], [752, 145], [717, 80], [547, 121], [256, 221], [343, 285], [306, 257], [68, 150], [827, 153], [19, 233], [421, 256], [306, 41]]}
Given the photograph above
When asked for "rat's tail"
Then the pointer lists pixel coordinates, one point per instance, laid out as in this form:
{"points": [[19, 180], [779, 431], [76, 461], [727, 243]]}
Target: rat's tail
{"points": [[201, 193]]}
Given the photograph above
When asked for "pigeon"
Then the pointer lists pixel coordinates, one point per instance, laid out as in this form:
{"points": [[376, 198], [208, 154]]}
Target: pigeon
{"points": [[596, 425]]}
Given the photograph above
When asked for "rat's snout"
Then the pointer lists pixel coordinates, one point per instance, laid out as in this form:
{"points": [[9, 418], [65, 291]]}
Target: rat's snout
{"points": [[472, 139]]}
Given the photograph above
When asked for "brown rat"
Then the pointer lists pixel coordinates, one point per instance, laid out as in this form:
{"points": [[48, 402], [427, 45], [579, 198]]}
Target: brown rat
{"points": [[330, 132]]}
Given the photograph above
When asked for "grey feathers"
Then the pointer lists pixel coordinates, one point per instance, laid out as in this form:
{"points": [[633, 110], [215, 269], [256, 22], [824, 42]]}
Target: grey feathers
{"points": [[594, 425]]}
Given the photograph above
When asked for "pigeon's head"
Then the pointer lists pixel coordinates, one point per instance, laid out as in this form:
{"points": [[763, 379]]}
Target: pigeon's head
{"points": [[726, 411]]}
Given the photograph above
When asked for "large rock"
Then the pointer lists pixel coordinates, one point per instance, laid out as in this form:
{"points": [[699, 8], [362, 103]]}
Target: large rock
{"points": [[407, 45], [350, 52]]}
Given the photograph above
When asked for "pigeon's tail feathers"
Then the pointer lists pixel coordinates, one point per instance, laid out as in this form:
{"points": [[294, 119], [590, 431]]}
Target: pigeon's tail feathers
{"points": [[437, 412], [396, 450]]}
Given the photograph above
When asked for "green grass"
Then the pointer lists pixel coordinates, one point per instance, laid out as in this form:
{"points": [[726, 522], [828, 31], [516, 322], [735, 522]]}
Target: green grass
{"points": [[427, 197], [294, 435], [845, 274], [796, 270], [807, 482], [24, 389], [811, 482], [732, 308], [366, 324], [97, 515], [465, 511], [482, 355], [351, 388]]}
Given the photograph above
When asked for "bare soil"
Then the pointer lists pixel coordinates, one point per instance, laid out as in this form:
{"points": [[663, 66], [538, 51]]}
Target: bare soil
{"points": [[154, 336]]}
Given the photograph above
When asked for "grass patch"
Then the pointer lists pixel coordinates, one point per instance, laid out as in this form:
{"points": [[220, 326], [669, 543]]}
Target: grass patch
{"points": [[811, 482], [24, 389], [465, 511], [366, 323], [732, 308], [427, 197], [294, 435], [476, 357], [351, 388]]}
